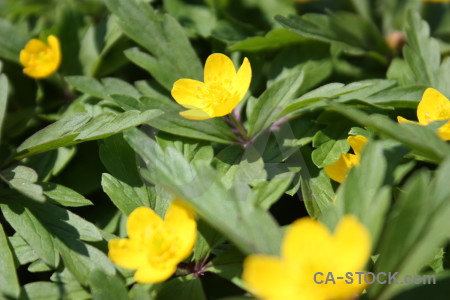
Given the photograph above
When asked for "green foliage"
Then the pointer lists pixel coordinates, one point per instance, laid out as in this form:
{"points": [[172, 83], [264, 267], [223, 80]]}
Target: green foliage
{"points": [[82, 149]]}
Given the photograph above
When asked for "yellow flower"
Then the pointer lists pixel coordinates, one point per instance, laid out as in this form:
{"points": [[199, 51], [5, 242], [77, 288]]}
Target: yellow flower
{"points": [[433, 107], [308, 248], [155, 247], [338, 171], [41, 60], [223, 88]]}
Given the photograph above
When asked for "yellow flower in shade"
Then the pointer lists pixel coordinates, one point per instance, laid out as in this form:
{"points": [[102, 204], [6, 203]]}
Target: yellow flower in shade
{"points": [[308, 248], [41, 60], [338, 171], [433, 107], [223, 88], [155, 247]]}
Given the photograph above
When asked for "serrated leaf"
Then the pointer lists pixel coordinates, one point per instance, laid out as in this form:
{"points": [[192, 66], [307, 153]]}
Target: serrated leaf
{"points": [[188, 288], [9, 284], [82, 127], [23, 179], [63, 195], [272, 102], [107, 287], [250, 228], [158, 33]]}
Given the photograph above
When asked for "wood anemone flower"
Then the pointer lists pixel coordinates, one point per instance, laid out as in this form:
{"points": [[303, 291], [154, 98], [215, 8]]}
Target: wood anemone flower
{"points": [[433, 107], [39, 59], [223, 88], [154, 246], [308, 248], [339, 170]]}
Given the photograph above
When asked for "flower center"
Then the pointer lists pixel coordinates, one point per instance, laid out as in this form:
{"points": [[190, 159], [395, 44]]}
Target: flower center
{"points": [[160, 244], [40, 57]]}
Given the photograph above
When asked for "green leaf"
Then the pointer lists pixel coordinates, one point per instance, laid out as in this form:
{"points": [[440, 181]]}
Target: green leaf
{"points": [[126, 197], [9, 284], [44, 290], [274, 39], [363, 193], [11, 41], [418, 138], [215, 130], [30, 229], [267, 193], [272, 102], [23, 179], [82, 127], [228, 265], [87, 85], [23, 252], [249, 227], [317, 191], [3, 98], [361, 37], [413, 233], [64, 195], [186, 288], [107, 287], [172, 55], [421, 52]]}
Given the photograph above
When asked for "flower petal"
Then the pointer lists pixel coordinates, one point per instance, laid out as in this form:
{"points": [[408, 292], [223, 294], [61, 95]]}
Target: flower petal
{"points": [[403, 120], [219, 68], [338, 171], [126, 253], [433, 107], [35, 45], [266, 277], [152, 274], [141, 222], [305, 241], [189, 93], [444, 131], [357, 142], [242, 81], [195, 114], [180, 220], [351, 245], [53, 43]]}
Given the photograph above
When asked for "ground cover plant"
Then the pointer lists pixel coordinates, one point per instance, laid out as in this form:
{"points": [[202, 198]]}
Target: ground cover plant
{"points": [[219, 149]]}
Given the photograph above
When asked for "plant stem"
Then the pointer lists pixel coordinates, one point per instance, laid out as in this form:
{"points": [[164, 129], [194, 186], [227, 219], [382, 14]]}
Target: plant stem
{"points": [[239, 126]]}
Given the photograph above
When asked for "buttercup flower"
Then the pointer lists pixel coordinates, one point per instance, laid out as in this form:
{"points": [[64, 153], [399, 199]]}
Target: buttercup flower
{"points": [[223, 88], [155, 246], [338, 171], [433, 107], [41, 60], [309, 248]]}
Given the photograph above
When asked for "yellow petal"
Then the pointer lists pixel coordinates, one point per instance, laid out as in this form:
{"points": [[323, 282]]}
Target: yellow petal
{"points": [[35, 45], [444, 131], [403, 120], [306, 240], [127, 254], [357, 142], [433, 107], [154, 273], [195, 114], [189, 93], [267, 278], [180, 220], [53, 43], [338, 171], [242, 81], [219, 68], [142, 222], [351, 245]]}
